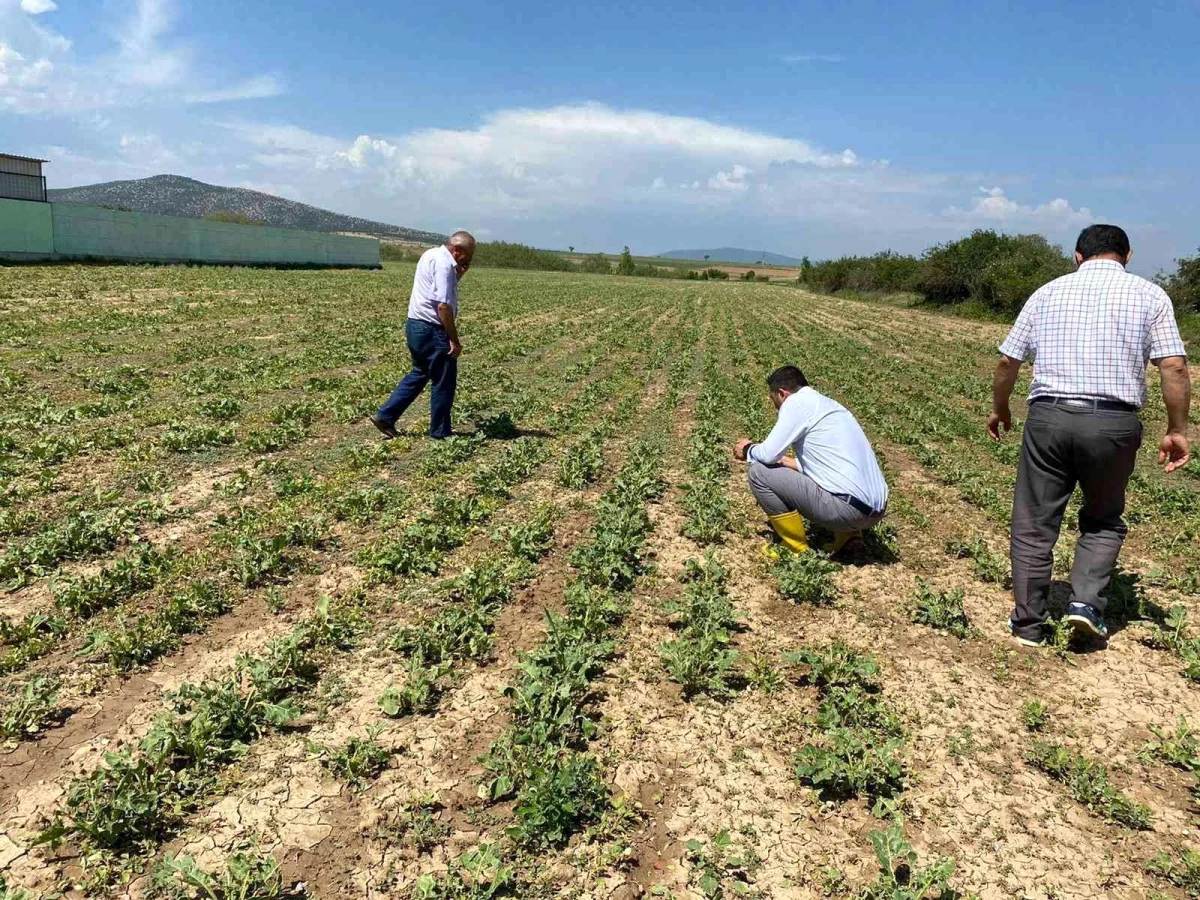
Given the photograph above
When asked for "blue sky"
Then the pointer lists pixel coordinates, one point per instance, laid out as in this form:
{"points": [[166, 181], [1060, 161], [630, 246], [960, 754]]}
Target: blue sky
{"points": [[800, 128]]}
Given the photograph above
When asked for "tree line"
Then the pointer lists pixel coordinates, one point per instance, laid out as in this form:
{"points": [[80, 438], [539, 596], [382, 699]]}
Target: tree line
{"points": [[994, 271]]}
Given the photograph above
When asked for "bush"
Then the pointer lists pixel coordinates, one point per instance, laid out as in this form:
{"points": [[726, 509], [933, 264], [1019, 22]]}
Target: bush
{"points": [[596, 264], [1184, 284], [626, 265], [1000, 271], [502, 254], [886, 271]]}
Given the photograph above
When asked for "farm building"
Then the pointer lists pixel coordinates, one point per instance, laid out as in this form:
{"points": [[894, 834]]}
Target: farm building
{"points": [[21, 178]]}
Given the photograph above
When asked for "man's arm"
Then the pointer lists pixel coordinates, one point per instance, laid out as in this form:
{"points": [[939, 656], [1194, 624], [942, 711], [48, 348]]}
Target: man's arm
{"points": [[1003, 381], [789, 428], [1177, 395], [446, 313]]}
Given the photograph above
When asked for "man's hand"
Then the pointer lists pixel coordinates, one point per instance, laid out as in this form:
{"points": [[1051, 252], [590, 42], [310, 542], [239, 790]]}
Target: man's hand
{"points": [[455, 349], [1001, 418], [739, 449], [1174, 452]]}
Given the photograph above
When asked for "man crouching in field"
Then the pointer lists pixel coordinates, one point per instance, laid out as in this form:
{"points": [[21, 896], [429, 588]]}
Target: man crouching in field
{"points": [[834, 479], [432, 335]]}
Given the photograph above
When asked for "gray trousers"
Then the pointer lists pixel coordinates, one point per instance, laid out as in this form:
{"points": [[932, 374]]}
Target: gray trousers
{"points": [[780, 489], [1064, 446]]}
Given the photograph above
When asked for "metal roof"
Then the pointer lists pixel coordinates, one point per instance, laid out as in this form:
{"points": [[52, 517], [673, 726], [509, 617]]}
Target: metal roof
{"points": [[24, 158]]}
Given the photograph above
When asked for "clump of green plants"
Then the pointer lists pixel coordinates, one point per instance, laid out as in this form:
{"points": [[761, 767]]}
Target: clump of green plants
{"points": [[940, 610], [11, 892], [530, 540], [582, 463], [539, 759], [1087, 781], [358, 761], [900, 877], [1034, 715], [989, 566], [1183, 872], [701, 659], [1172, 634], [478, 874], [183, 438], [140, 792], [806, 578], [220, 409], [858, 752], [420, 693], [704, 498], [1180, 748], [29, 708], [717, 869], [417, 823], [445, 455], [31, 638], [247, 876], [87, 595]]}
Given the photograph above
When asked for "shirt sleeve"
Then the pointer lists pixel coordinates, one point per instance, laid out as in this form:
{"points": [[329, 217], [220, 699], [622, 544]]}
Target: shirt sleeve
{"points": [[445, 287], [1019, 344], [1163, 339], [794, 420]]}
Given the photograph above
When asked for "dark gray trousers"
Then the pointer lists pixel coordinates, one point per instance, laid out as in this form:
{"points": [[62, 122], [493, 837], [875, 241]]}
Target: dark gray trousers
{"points": [[1064, 446]]}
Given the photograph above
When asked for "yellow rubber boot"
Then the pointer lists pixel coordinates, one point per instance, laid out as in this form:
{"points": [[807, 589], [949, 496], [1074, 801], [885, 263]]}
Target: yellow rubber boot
{"points": [[790, 528], [841, 539]]}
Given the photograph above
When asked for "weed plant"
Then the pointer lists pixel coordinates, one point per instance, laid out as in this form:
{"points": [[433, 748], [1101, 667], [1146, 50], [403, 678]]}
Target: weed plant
{"points": [[1087, 781]]}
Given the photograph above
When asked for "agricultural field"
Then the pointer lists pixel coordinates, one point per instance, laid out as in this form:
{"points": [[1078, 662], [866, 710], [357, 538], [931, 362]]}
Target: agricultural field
{"points": [[249, 650]]}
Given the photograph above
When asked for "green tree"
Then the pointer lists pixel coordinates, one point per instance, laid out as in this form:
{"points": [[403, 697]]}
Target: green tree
{"points": [[1183, 284], [626, 265]]}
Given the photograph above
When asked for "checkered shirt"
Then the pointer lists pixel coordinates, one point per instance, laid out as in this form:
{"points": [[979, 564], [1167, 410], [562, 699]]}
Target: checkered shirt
{"points": [[1092, 333]]}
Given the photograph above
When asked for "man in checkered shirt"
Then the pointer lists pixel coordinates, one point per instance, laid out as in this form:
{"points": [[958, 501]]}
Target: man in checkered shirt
{"points": [[1091, 335]]}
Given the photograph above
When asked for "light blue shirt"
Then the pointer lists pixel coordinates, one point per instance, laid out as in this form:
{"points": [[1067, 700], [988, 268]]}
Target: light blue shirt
{"points": [[830, 446], [436, 281]]}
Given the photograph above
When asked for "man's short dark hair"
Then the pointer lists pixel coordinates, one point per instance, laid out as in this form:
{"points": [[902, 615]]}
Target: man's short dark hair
{"points": [[1096, 240], [786, 378]]}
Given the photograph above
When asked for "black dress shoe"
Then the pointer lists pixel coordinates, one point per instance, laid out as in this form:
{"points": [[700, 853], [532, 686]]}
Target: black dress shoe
{"points": [[388, 431]]}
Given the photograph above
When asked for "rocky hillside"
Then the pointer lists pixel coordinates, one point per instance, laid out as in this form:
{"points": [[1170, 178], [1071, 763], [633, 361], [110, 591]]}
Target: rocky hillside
{"points": [[174, 195]]}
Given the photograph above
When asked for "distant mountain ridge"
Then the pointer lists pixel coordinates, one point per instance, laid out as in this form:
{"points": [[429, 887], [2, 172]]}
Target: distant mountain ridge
{"points": [[737, 255], [175, 195]]}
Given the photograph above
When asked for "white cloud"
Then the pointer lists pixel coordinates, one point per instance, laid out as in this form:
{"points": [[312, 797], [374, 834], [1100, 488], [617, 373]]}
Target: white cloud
{"points": [[995, 206], [148, 151], [257, 88], [143, 63], [733, 180]]}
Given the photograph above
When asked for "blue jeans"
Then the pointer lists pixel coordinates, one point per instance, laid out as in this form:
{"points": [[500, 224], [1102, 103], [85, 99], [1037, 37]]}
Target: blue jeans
{"points": [[431, 362]]}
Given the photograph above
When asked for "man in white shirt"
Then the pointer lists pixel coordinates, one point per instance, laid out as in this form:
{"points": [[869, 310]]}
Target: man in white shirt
{"points": [[432, 337], [1091, 335], [834, 479]]}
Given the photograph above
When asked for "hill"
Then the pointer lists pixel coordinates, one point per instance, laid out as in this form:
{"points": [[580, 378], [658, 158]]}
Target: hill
{"points": [[174, 195], [732, 255]]}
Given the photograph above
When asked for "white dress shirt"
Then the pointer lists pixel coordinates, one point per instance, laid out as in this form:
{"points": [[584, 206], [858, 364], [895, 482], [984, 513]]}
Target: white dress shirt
{"points": [[436, 281], [1091, 334], [830, 446]]}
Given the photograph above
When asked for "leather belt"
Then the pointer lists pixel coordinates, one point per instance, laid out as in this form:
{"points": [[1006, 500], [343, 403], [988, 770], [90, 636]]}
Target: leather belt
{"points": [[857, 504], [1081, 403]]}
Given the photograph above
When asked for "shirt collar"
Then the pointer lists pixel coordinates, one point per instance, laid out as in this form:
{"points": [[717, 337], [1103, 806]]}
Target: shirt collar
{"points": [[1101, 264]]}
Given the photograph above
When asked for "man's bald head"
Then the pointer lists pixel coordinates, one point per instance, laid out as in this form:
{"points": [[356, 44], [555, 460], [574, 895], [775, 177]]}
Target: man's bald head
{"points": [[461, 245]]}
